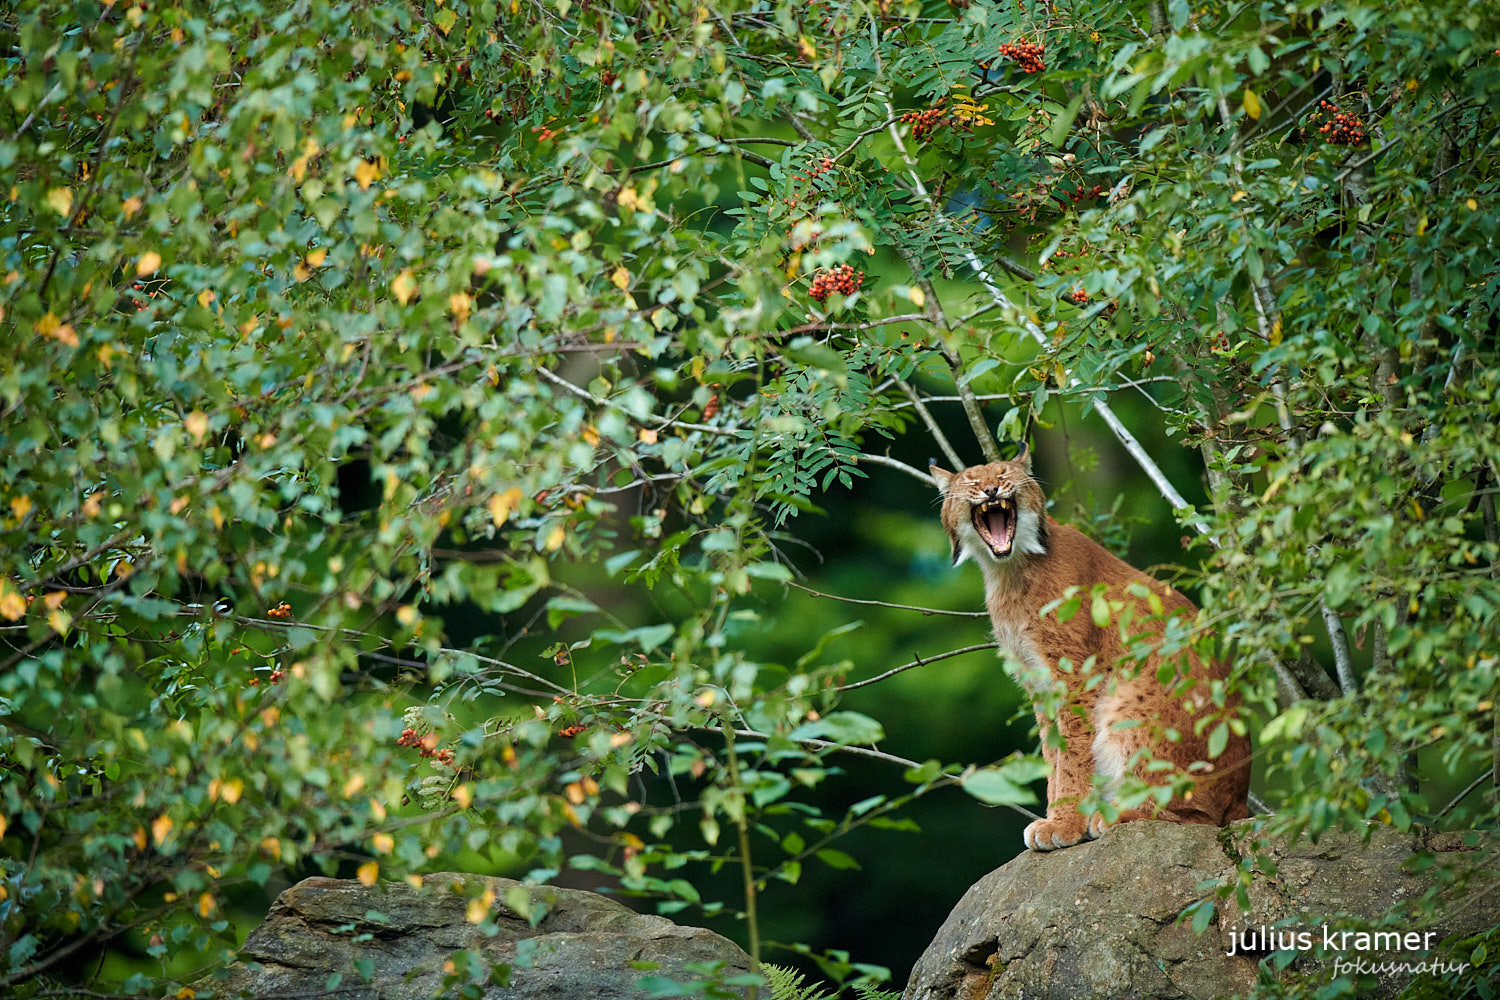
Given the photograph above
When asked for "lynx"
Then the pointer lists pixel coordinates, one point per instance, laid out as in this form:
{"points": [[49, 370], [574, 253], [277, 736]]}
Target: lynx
{"points": [[1115, 716]]}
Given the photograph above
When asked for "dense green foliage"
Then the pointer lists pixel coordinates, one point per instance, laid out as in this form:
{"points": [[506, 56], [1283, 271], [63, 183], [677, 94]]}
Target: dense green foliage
{"points": [[415, 415]]}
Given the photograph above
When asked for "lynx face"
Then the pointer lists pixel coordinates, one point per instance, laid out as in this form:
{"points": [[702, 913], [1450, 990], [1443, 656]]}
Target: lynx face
{"points": [[993, 512]]}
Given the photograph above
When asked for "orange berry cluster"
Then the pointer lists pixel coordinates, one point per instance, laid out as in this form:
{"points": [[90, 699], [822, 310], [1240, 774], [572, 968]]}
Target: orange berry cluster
{"points": [[282, 610], [568, 732], [1084, 192], [815, 170], [1339, 128], [842, 279], [1027, 55], [1078, 297], [136, 286], [425, 745], [277, 676], [924, 122]]}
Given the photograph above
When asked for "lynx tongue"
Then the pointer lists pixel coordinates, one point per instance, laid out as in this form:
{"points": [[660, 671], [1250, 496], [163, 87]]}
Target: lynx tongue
{"points": [[996, 524]]}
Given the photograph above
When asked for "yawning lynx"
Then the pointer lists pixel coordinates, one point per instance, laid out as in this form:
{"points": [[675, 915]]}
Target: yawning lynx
{"points": [[1117, 716]]}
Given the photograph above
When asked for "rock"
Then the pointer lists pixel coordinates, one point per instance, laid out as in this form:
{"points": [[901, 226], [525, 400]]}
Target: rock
{"points": [[393, 940], [1100, 920]]}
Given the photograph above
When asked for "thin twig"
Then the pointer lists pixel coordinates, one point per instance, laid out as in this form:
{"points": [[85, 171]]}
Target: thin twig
{"points": [[918, 662], [887, 604], [892, 463]]}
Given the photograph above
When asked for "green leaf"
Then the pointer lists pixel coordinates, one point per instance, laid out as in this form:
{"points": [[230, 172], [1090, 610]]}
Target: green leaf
{"points": [[1057, 133], [1218, 739], [1099, 608], [837, 859], [993, 786], [847, 728]]}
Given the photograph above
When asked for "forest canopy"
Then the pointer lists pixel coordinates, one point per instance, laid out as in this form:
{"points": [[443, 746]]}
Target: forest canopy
{"points": [[430, 429]]}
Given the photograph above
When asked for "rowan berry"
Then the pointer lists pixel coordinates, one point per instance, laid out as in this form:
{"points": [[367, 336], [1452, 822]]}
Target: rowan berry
{"points": [[843, 279], [1338, 128], [924, 122], [1025, 54]]}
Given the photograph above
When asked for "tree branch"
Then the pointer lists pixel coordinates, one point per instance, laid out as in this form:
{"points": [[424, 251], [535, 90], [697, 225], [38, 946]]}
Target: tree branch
{"points": [[1340, 641], [956, 463]]}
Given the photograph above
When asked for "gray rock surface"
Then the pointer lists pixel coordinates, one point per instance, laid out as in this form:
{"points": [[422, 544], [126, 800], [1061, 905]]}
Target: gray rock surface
{"points": [[1099, 921], [392, 941]]}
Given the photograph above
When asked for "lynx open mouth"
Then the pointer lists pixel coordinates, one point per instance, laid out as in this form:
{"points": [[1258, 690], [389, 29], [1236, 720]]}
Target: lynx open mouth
{"points": [[996, 523]]}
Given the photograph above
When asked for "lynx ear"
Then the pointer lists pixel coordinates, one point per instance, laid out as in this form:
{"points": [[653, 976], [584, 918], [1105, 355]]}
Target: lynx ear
{"points": [[1023, 455], [940, 477]]}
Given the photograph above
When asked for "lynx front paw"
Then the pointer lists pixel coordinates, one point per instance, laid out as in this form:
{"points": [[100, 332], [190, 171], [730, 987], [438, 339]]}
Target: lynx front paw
{"points": [[1052, 834]]}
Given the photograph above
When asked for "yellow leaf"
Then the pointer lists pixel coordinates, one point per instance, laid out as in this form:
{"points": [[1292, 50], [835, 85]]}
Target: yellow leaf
{"points": [[206, 904], [477, 909], [501, 505], [1472, 205], [1422, 225], [384, 843], [50, 326], [186, 993], [316, 258], [628, 198], [130, 206], [368, 872], [365, 173], [647, 435], [12, 604], [59, 621], [1276, 332], [404, 286], [620, 278], [298, 169], [463, 795], [161, 828], [148, 263], [60, 200], [231, 790], [206, 297], [554, 539], [590, 435], [3, 824], [1238, 196], [272, 846], [377, 810], [459, 305], [20, 506], [353, 785], [917, 296], [1251, 103], [55, 599], [197, 424], [300, 273]]}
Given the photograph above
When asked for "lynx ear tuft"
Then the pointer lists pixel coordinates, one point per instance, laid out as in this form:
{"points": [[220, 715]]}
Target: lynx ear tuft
{"points": [[1023, 453], [940, 477]]}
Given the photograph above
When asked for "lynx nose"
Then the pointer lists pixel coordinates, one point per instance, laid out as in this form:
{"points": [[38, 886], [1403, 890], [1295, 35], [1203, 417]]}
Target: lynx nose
{"points": [[993, 492]]}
